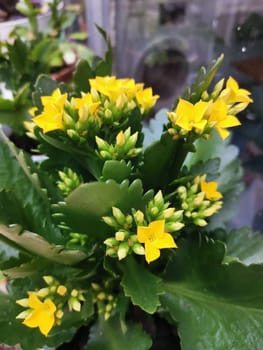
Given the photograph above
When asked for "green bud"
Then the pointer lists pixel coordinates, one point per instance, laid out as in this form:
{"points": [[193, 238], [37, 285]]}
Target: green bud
{"points": [[43, 292], [102, 145], [154, 211], [120, 236], [199, 198], [139, 217], [118, 215], [110, 221], [110, 242], [138, 249], [205, 96], [174, 226], [200, 222], [111, 252], [49, 280], [123, 250], [158, 199]]}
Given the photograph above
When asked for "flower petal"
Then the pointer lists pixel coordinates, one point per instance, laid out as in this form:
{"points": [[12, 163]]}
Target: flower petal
{"points": [[151, 252]]}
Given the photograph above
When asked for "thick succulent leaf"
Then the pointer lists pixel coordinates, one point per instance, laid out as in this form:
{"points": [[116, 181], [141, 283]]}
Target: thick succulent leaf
{"points": [[12, 331], [20, 183], [38, 246], [141, 286], [88, 203], [158, 157], [216, 306], [153, 128], [115, 335], [81, 76], [116, 170], [246, 245]]}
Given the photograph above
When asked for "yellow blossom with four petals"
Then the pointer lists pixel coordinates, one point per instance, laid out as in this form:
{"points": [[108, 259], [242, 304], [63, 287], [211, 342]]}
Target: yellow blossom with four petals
{"points": [[220, 119], [234, 94], [41, 315], [189, 116], [51, 117], [210, 189], [154, 238]]}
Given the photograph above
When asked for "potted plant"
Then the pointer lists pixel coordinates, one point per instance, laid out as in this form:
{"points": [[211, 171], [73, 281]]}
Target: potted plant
{"points": [[117, 241], [32, 49]]}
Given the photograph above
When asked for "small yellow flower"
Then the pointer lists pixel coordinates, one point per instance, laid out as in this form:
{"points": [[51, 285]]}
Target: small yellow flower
{"points": [[86, 101], [189, 116], [62, 290], [154, 238], [146, 99], [51, 117], [220, 119], [42, 314], [210, 189], [233, 94]]}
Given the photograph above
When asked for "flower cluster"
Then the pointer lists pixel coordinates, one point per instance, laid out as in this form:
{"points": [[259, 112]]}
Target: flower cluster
{"points": [[109, 103], [216, 110], [45, 307]]}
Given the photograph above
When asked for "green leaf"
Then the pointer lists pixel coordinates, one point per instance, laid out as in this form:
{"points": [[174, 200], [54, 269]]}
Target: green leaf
{"points": [[104, 67], [91, 201], [116, 170], [216, 306], [115, 335], [20, 183], [158, 158], [246, 245], [18, 53], [81, 76], [37, 245], [141, 286], [44, 87]]}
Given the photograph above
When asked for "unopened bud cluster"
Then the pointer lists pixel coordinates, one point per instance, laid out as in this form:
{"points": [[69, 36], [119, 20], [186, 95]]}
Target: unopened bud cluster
{"points": [[69, 180], [196, 207], [158, 209], [106, 301], [124, 242], [124, 147]]}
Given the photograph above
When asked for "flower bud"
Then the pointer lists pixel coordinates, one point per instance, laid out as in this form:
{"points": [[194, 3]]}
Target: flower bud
{"points": [[123, 250], [49, 280], [139, 217], [43, 292], [120, 236], [200, 222], [138, 249], [110, 242], [118, 215], [61, 290]]}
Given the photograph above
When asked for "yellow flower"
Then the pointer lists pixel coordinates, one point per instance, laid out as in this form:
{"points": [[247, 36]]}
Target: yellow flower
{"points": [[233, 94], [86, 101], [145, 99], [113, 88], [210, 189], [51, 117], [189, 116], [219, 118], [154, 239], [42, 314]]}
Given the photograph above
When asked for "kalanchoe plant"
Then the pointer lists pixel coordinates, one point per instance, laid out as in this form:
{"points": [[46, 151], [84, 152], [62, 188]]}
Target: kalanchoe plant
{"points": [[108, 235]]}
